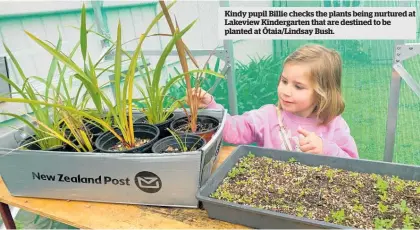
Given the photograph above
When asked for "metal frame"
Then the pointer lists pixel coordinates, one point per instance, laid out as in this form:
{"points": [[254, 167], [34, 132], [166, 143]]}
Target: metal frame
{"points": [[3, 60], [402, 53]]}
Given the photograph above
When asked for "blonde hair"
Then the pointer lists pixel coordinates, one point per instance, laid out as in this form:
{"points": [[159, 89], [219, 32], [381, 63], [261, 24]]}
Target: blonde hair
{"points": [[326, 67]]}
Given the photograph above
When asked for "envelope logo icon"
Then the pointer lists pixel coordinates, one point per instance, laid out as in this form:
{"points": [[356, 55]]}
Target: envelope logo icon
{"points": [[148, 182]]}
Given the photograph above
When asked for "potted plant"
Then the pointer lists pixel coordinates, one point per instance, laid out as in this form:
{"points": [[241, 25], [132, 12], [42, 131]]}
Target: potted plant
{"points": [[157, 105], [178, 143], [137, 138], [121, 113], [47, 123], [272, 188], [204, 126]]}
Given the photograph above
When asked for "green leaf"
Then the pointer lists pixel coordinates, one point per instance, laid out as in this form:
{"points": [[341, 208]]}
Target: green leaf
{"points": [[83, 34], [165, 54], [52, 69]]}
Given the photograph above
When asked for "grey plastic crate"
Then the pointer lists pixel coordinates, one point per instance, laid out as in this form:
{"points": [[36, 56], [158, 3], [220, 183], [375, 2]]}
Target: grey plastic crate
{"points": [[259, 218], [171, 179]]}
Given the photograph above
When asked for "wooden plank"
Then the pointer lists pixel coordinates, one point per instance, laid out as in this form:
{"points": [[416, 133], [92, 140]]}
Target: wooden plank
{"points": [[103, 215]]}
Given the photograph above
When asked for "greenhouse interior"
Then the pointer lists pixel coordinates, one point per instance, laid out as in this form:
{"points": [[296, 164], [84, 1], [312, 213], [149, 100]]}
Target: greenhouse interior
{"points": [[382, 106]]}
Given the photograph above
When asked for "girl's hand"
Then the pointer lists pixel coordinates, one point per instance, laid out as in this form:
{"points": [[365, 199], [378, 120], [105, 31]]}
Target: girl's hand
{"points": [[310, 142], [203, 97]]}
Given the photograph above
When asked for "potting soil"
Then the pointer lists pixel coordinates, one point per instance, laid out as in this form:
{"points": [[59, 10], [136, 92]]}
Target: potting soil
{"points": [[352, 199]]}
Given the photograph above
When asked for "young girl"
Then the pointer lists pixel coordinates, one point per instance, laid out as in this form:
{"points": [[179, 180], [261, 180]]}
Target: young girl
{"points": [[308, 115]]}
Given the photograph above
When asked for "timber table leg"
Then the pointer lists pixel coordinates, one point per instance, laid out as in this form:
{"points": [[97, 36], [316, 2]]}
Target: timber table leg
{"points": [[7, 216]]}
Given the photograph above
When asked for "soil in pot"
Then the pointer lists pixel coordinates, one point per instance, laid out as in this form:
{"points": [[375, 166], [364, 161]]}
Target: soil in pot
{"points": [[163, 126], [206, 126], [358, 200], [145, 136], [189, 142], [138, 142]]}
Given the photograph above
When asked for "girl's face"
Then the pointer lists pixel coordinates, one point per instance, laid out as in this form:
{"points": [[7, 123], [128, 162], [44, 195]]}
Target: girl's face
{"points": [[295, 90]]}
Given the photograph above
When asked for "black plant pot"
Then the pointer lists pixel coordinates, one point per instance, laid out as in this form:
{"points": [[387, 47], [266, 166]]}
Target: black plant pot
{"points": [[95, 130], [163, 126], [35, 146], [203, 120], [93, 127], [190, 140], [107, 140]]}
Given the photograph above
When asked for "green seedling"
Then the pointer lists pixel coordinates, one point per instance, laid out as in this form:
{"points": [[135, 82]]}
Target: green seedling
{"points": [[407, 222], [354, 174], [382, 207], [338, 216], [358, 208], [300, 211], [381, 184], [384, 223], [330, 174], [384, 196], [402, 207]]}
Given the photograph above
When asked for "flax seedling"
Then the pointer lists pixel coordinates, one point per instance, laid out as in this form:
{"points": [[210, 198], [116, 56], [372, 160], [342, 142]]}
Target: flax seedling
{"points": [[50, 130], [182, 143], [192, 100], [122, 110], [40, 113]]}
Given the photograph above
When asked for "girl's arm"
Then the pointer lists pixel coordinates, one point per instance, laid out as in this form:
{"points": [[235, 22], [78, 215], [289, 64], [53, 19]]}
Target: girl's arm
{"points": [[342, 144], [241, 129]]}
